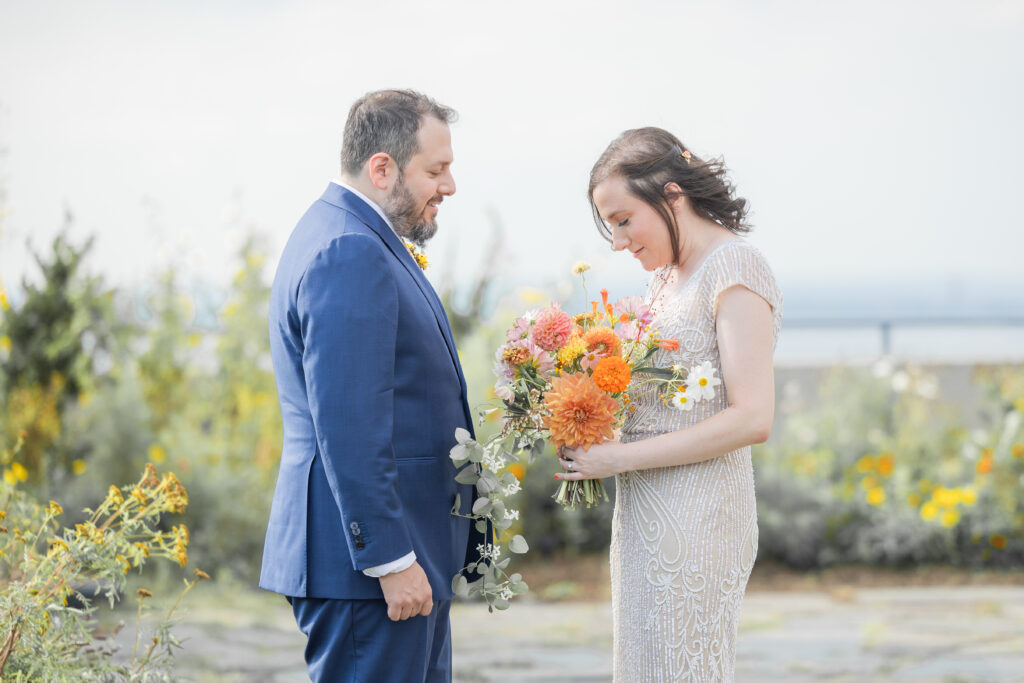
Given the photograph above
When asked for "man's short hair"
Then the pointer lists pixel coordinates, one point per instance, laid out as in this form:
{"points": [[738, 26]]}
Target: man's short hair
{"points": [[387, 121]]}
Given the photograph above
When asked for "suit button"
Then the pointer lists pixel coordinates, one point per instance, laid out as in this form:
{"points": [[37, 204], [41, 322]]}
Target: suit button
{"points": [[354, 526], [360, 545]]}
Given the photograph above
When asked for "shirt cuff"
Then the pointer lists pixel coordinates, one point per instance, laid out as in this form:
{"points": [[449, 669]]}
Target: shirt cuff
{"points": [[399, 565]]}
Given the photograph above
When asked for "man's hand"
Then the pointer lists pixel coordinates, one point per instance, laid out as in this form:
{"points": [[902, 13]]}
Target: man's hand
{"points": [[407, 593]]}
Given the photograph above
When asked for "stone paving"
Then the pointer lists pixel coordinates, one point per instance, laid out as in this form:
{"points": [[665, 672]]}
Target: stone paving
{"points": [[950, 634]]}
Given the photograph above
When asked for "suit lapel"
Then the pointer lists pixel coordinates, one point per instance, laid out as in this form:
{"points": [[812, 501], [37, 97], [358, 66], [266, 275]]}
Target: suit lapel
{"points": [[342, 198]]}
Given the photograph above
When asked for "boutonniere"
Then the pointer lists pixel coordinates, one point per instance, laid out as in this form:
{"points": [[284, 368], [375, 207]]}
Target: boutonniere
{"points": [[418, 256]]}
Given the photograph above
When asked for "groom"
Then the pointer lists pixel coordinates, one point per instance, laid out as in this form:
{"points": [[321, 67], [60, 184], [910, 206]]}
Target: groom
{"points": [[361, 538]]}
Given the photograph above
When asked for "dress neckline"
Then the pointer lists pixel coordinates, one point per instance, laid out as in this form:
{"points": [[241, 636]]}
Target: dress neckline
{"points": [[697, 270]]}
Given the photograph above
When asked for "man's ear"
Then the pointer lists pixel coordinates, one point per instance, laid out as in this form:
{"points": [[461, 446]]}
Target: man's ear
{"points": [[382, 170]]}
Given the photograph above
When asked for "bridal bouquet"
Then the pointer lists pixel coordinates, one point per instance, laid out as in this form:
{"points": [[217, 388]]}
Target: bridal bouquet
{"points": [[569, 380]]}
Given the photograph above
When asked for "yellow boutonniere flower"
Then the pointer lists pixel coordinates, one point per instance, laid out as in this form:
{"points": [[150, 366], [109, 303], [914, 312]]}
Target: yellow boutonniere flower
{"points": [[418, 256]]}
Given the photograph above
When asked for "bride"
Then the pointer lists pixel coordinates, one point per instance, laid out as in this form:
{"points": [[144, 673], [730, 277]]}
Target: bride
{"points": [[684, 533]]}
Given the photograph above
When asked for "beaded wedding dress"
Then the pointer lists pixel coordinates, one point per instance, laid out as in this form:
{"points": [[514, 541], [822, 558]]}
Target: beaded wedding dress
{"points": [[684, 538]]}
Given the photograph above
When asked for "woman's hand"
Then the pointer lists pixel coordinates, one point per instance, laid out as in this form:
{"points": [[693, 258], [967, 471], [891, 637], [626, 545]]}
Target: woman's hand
{"points": [[597, 462]]}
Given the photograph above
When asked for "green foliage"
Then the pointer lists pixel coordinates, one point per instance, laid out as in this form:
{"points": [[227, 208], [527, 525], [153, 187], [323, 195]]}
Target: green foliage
{"points": [[47, 631], [878, 468]]}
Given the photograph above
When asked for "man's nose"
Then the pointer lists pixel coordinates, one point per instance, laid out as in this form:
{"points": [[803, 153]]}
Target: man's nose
{"points": [[447, 186]]}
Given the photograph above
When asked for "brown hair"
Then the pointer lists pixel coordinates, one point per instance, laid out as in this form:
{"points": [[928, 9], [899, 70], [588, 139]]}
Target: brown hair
{"points": [[649, 159], [387, 121]]}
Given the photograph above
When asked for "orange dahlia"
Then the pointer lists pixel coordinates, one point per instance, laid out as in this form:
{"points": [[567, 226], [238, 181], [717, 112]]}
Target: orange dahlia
{"points": [[580, 413], [612, 374], [603, 340]]}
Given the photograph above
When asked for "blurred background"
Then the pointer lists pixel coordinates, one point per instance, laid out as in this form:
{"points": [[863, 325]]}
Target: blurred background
{"points": [[154, 157]]}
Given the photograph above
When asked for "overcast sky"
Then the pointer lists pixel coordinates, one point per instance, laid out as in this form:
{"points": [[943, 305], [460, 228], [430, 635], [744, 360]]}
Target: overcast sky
{"points": [[874, 140]]}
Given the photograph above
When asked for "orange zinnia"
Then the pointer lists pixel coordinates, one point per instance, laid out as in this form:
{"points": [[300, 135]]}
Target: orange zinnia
{"points": [[669, 344], [581, 415], [603, 340], [612, 374]]}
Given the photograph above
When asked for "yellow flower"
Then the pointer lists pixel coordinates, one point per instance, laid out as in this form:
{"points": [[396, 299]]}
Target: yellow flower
{"points": [[950, 518], [876, 496], [924, 486], [10, 478], [417, 255], [157, 453], [78, 467], [968, 495], [885, 464], [194, 339], [1017, 450], [914, 499], [19, 471], [946, 497], [54, 508], [580, 267], [868, 483], [866, 464], [929, 511], [573, 349], [5, 343], [4, 303]]}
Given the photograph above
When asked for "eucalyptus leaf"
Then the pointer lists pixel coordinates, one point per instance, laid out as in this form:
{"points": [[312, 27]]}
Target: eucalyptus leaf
{"points": [[518, 545], [519, 588], [503, 523], [515, 578], [458, 454], [481, 569], [500, 604], [504, 563], [481, 526], [481, 506], [467, 475], [463, 435], [460, 586], [487, 483]]}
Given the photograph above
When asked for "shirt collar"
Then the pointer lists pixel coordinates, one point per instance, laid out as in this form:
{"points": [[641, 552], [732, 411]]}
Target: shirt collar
{"points": [[373, 204]]}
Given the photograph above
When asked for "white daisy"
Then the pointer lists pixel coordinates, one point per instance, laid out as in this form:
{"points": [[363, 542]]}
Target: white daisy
{"points": [[680, 401], [701, 381]]}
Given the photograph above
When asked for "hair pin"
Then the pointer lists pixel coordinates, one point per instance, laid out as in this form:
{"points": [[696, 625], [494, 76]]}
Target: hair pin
{"points": [[686, 155]]}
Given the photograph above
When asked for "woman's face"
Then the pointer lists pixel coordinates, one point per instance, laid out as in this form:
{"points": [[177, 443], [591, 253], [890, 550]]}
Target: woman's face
{"points": [[634, 224]]}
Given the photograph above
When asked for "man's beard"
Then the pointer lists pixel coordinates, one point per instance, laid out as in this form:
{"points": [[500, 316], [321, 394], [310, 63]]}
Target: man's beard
{"points": [[408, 219]]}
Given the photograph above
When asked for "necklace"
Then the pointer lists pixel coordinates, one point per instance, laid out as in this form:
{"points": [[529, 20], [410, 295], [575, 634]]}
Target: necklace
{"points": [[660, 280]]}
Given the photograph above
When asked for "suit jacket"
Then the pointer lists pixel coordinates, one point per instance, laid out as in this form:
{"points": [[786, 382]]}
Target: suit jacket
{"points": [[371, 393]]}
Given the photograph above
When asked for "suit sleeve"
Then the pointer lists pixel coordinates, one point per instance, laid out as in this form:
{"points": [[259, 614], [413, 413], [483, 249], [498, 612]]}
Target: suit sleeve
{"points": [[347, 302]]}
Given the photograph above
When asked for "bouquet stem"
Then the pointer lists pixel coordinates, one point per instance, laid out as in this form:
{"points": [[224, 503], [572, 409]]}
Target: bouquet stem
{"points": [[573, 494]]}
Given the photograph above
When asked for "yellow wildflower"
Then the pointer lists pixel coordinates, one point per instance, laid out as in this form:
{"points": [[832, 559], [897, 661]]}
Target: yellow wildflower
{"points": [[946, 497], [868, 483], [114, 496], [10, 478], [866, 464], [5, 343], [1017, 450], [157, 453], [138, 495], [929, 511], [78, 467], [968, 495], [876, 496], [54, 508], [19, 471], [924, 485], [143, 547], [5, 304], [914, 499], [950, 518], [885, 464]]}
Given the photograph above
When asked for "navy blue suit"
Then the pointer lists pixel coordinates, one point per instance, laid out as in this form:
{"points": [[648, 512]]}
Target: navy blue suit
{"points": [[371, 393]]}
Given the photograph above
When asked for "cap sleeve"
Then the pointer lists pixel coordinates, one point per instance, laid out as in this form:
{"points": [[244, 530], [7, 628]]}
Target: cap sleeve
{"points": [[739, 263]]}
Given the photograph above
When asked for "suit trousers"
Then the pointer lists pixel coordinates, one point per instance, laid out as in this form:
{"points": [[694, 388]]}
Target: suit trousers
{"points": [[353, 641]]}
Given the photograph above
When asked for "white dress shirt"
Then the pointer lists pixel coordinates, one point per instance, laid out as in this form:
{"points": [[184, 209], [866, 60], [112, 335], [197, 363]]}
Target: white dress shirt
{"points": [[406, 561]]}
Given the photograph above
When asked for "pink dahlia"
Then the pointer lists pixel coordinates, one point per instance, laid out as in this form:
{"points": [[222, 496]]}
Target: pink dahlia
{"points": [[552, 329]]}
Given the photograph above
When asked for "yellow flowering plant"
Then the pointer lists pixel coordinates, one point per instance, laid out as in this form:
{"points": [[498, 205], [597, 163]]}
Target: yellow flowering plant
{"points": [[47, 570]]}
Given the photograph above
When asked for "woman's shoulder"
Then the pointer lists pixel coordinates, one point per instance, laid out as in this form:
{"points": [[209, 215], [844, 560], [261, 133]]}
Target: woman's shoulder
{"points": [[735, 261], [736, 253]]}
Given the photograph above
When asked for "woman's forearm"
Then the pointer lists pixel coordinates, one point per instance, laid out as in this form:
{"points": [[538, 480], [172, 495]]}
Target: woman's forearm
{"points": [[724, 432]]}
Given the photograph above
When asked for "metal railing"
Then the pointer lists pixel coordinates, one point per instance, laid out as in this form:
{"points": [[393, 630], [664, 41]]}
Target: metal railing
{"points": [[885, 324]]}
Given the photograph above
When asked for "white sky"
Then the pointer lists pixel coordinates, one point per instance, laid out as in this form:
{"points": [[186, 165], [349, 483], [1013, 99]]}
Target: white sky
{"points": [[875, 140]]}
